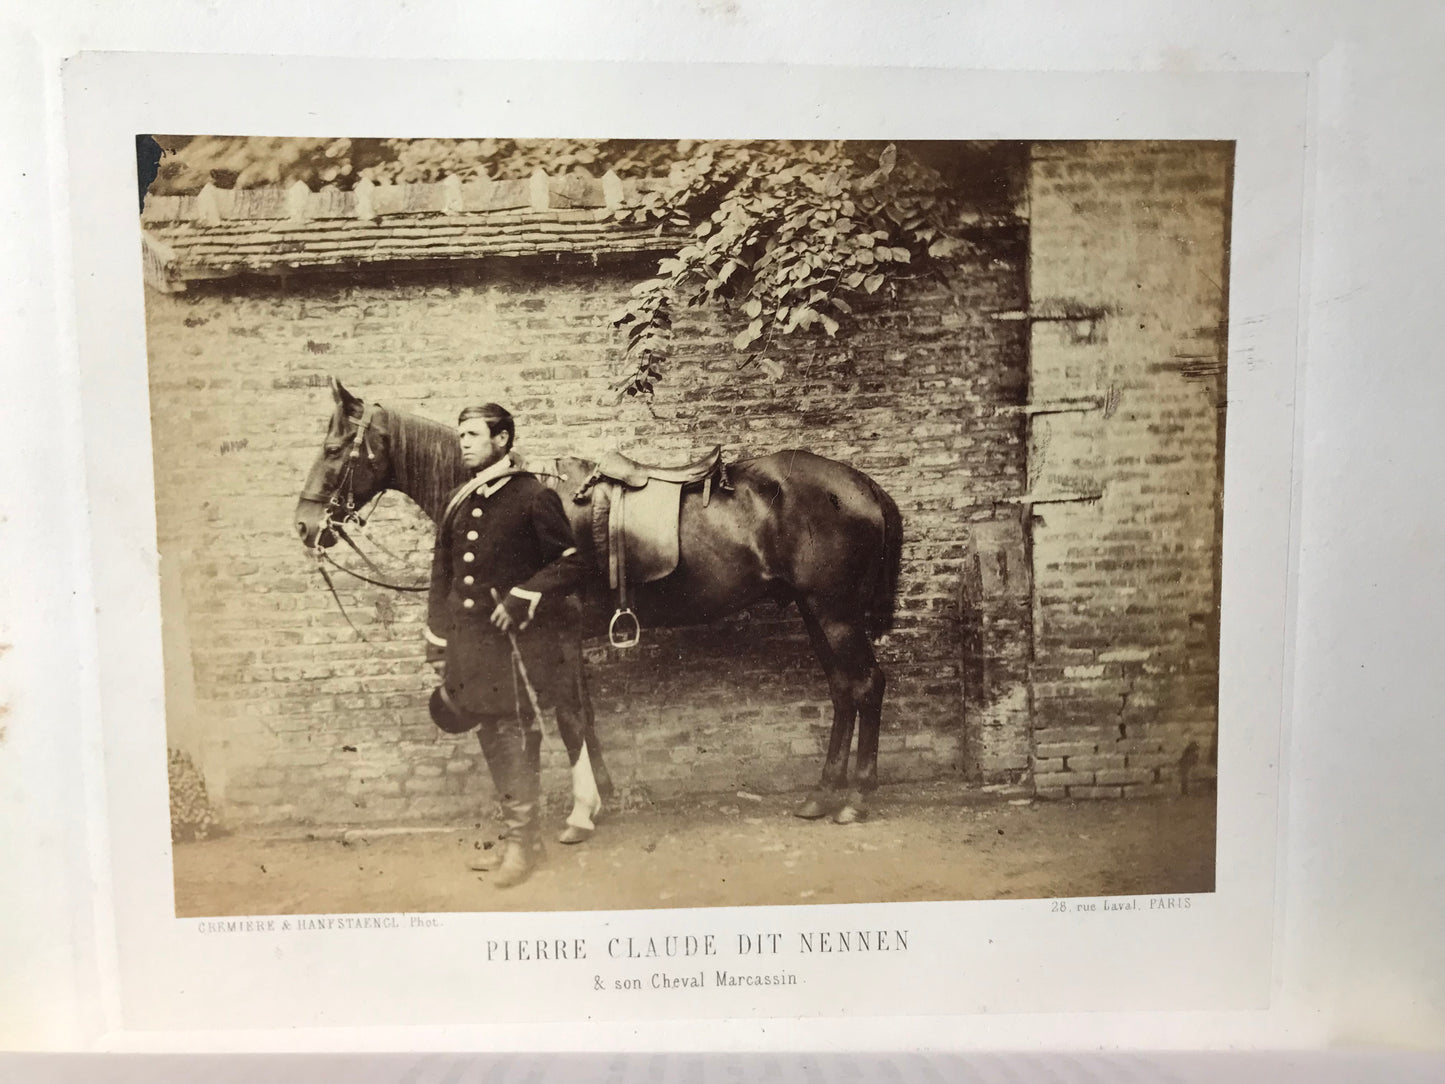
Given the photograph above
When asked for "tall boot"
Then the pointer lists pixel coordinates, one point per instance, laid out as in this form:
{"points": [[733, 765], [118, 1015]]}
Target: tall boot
{"points": [[488, 856], [519, 793]]}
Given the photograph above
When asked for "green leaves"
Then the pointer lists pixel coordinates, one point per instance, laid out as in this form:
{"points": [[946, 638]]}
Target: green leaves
{"points": [[748, 335], [794, 235], [803, 317]]}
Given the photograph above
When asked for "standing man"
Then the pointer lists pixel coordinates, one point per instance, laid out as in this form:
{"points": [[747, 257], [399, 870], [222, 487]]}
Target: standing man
{"points": [[505, 561]]}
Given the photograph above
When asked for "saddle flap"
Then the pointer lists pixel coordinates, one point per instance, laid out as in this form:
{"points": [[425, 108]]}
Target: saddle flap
{"points": [[642, 528]]}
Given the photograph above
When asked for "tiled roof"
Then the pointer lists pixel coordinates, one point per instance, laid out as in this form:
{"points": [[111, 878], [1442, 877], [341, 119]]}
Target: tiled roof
{"points": [[219, 233]]}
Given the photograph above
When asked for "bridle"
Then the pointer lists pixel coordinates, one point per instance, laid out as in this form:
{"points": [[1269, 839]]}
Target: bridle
{"points": [[342, 498], [339, 512]]}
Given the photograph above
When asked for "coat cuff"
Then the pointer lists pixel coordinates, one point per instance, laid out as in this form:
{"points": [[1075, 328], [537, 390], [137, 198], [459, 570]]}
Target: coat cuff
{"points": [[433, 639], [532, 598]]}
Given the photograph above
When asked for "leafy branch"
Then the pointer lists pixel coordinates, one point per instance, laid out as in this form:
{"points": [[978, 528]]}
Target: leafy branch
{"points": [[794, 236]]}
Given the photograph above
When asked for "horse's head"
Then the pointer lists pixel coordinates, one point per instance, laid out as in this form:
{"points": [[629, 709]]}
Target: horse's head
{"points": [[354, 465]]}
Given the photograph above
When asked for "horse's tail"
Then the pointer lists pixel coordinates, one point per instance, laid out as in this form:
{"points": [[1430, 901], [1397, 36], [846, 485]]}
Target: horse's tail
{"points": [[881, 590]]}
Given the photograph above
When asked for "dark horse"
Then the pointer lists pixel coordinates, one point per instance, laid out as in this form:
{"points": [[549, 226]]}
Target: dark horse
{"points": [[794, 528]]}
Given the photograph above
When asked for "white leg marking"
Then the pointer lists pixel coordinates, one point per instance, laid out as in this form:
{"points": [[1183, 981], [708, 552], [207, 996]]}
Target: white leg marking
{"points": [[586, 801]]}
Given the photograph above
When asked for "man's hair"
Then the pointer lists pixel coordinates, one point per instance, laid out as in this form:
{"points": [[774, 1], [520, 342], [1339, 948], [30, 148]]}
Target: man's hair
{"points": [[498, 420]]}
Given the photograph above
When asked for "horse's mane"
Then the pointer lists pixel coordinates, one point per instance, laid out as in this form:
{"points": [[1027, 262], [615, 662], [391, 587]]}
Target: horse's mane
{"points": [[426, 461]]}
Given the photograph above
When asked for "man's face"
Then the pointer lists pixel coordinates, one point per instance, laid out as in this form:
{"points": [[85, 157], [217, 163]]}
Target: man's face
{"points": [[479, 448]]}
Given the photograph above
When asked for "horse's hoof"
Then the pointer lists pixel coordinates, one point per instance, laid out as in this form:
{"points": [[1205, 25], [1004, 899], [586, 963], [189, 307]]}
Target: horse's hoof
{"points": [[811, 810], [850, 814], [573, 834]]}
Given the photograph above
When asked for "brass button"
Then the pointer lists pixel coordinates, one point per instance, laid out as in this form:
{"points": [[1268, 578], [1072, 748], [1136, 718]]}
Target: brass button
{"points": [[476, 513], [469, 580], [471, 536], [468, 603], [469, 557]]}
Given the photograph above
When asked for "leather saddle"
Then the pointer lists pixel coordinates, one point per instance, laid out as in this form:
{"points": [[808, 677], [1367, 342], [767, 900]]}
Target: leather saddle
{"points": [[636, 509], [629, 472]]}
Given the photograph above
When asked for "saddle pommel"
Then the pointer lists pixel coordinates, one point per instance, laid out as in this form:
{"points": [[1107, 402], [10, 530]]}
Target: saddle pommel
{"points": [[635, 475]]}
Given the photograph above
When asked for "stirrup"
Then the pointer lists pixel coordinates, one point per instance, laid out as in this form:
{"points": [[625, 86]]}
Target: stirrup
{"points": [[624, 641]]}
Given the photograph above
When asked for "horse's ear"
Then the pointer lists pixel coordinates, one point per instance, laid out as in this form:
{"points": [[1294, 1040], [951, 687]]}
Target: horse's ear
{"points": [[344, 399]]}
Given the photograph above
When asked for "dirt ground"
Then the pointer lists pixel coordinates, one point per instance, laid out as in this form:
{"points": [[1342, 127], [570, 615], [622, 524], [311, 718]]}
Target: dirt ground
{"points": [[921, 843]]}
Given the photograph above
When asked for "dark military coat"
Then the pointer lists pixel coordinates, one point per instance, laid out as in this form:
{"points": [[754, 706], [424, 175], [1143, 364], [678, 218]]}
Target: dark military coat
{"points": [[509, 536]]}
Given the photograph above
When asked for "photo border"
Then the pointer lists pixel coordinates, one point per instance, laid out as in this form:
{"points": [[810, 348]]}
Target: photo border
{"points": [[968, 957]]}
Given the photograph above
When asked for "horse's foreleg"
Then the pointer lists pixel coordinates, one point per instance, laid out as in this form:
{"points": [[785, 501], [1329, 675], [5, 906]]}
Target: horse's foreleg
{"points": [[574, 723], [601, 775], [827, 796], [586, 802], [586, 799]]}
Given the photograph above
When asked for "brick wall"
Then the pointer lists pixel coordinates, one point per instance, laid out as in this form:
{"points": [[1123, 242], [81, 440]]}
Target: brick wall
{"points": [[1128, 287], [292, 719]]}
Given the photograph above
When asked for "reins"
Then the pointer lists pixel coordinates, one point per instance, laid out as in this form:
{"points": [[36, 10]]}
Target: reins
{"points": [[323, 559], [326, 577], [410, 588]]}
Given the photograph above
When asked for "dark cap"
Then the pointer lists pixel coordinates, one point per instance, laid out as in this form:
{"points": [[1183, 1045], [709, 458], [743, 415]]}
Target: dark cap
{"points": [[445, 714]]}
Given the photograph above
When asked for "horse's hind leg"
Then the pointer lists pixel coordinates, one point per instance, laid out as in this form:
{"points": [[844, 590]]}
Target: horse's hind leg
{"points": [[857, 683], [868, 684], [827, 797]]}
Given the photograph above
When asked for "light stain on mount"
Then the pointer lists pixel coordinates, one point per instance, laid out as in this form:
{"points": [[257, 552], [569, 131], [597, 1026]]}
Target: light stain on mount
{"points": [[4, 708]]}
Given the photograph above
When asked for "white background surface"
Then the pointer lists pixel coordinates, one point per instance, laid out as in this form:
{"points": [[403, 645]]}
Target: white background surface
{"points": [[1360, 957]]}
